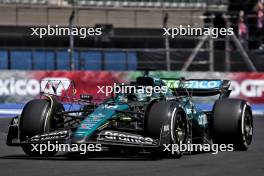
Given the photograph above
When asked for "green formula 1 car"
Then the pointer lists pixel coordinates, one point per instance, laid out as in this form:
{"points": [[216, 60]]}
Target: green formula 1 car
{"points": [[142, 120]]}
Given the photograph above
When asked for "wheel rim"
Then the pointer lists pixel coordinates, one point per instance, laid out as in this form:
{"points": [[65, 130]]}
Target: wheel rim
{"points": [[248, 127], [180, 128]]}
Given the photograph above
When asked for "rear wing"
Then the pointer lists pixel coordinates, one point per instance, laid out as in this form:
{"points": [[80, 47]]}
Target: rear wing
{"points": [[198, 87]]}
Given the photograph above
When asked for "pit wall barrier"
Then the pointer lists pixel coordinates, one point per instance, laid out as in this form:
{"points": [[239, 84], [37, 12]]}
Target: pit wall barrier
{"points": [[18, 87]]}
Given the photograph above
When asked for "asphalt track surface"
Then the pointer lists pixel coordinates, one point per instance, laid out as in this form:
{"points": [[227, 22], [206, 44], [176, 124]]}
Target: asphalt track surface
{"points": [[14, 162]]}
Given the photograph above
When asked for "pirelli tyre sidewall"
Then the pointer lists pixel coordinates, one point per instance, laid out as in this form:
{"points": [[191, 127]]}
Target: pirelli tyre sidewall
{"points": [[167, 113], [232, 123], [35, 119]]}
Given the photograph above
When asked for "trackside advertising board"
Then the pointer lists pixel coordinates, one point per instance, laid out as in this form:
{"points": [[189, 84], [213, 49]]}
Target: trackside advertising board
{"points": [[21, 86]]}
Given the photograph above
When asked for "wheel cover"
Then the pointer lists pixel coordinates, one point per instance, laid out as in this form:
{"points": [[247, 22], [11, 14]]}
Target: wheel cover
{"points": [[248, 127], [179, 128]]}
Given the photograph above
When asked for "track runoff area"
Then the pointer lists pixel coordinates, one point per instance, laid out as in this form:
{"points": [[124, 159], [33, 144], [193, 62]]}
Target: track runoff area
{"points": [[13, 161]]}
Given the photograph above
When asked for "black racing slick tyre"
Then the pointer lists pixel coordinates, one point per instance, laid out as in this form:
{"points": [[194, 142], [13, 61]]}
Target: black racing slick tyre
{"points": [[170, 113], [35, 119], [232, 123]]}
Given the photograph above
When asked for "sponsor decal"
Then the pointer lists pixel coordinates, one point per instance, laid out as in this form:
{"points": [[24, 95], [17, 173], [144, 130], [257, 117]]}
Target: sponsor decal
{"points": [[166, 127], [249, 88], [125, 137], [55, 85], [50, 136], [202, 119], [21, 87], [193, 84], [32, 87], [110, 106]]}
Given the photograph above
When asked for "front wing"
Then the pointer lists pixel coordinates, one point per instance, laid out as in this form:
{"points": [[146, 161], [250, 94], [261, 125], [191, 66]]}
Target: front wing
{"points": [[103, 137]]}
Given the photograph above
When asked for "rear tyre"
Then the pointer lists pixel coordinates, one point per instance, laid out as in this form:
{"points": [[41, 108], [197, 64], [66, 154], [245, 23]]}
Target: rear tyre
{"points": [[167, 112], [36, 119], [232, 123]]}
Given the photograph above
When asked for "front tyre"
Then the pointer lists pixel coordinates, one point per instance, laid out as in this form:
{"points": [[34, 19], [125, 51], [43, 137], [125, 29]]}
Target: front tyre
{"points": [[36, 118], [168, 115]]}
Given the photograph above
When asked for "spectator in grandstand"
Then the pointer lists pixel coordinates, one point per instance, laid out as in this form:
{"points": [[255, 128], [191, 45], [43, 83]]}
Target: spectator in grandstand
{"points": [[242, 29], [260, 25]]}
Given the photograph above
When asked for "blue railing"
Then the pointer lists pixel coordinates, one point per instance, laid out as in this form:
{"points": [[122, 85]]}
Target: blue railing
{"points": [[60, 60]]}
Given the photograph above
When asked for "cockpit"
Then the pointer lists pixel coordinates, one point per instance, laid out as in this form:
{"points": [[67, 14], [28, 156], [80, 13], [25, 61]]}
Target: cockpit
{"points": [[143, 90]]}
